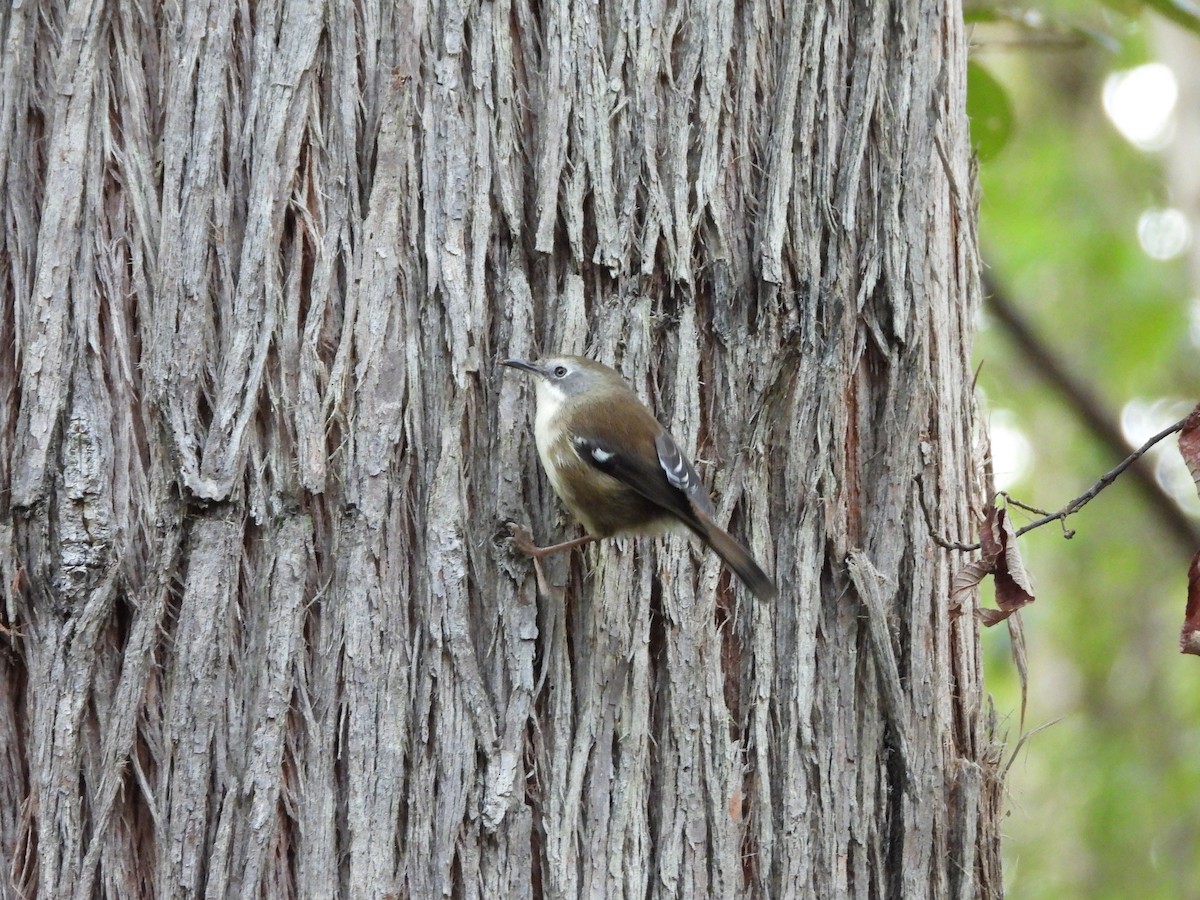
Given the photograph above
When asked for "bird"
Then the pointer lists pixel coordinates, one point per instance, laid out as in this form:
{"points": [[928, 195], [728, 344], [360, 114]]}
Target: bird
{"points": [[616, 468]]}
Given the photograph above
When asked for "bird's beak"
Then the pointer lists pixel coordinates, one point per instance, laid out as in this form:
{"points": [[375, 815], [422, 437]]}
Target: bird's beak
{"points": [[522, 364]]}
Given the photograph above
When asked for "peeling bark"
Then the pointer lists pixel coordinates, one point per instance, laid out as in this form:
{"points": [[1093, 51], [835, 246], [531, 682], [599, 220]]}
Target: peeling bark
{"points": [[262, 635]]}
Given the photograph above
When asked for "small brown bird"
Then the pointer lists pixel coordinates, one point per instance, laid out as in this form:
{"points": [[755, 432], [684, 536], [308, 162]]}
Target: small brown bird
{"points": [[616, 468]]}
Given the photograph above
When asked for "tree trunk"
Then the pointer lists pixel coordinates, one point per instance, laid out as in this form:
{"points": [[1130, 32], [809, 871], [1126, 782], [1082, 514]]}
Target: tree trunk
{"points": [[263, 635]]}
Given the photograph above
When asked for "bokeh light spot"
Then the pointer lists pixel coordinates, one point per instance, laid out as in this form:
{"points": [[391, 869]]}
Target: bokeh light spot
{"points": [[1140, 103], [1164, 233]]}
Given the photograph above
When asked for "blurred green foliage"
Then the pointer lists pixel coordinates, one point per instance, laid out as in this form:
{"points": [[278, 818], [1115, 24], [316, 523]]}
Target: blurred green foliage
{"points": [[1106, 802], [989, 111]]}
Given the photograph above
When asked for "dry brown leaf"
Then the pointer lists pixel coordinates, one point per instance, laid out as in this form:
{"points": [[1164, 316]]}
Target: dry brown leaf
{"points": [[1189, 637], [1002, 560], [1189, 444], [1189, 449], [969, 576]]}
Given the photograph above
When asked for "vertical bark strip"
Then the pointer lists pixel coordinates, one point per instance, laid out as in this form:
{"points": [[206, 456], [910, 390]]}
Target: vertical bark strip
{"points": [[261, 634]]}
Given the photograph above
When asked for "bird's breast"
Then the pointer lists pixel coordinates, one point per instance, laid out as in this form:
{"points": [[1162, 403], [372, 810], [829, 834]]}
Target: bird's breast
{"points": [[601, 503], [563, 466]]}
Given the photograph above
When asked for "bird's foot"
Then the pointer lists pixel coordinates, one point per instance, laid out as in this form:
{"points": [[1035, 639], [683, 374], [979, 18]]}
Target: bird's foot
{"points": [[523, 541]]}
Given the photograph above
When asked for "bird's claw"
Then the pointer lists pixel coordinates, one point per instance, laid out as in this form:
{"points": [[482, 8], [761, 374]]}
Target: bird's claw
{"points": [[523, 541]]}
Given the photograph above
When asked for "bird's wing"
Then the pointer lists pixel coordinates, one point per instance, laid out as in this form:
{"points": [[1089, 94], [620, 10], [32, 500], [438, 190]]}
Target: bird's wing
{"points": [[680, 472], [673, 484]]}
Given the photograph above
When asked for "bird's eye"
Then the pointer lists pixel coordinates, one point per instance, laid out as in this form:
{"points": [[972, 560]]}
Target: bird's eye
{"points": [[560, 371]]}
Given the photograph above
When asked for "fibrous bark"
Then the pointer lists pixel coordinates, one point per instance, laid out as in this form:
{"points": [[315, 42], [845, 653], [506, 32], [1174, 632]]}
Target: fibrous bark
{"points": [[263, 635]]}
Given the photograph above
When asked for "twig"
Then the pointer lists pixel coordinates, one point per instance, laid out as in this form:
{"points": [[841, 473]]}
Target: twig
{"points": [[1022, 741], [1105, 480], [1010, 500], [934, 536], [1061, 515], [1013, 501], [1078, 394]]}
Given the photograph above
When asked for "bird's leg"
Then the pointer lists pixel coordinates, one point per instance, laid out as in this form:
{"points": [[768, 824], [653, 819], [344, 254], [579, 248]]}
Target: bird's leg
{"points": [[523, 541]]}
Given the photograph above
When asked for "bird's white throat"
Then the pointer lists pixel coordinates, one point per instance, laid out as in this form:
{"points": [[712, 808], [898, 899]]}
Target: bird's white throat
{"points": [[550, 399]]}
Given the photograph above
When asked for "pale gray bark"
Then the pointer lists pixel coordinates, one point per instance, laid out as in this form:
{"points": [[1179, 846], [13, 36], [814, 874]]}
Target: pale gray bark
{"points": [[263, 635]]}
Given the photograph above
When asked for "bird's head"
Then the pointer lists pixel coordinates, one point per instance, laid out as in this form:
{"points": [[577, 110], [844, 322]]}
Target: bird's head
{"points": [[561, 379]]}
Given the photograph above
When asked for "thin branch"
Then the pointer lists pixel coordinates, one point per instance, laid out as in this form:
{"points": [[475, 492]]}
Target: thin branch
{"points": [[1061, 515], [1077, 393], [1023, 740], [1010, 500], [1105, 480], [933, 535]]}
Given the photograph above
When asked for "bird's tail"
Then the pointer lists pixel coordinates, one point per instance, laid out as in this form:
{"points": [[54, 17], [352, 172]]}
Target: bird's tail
{"points": [[737, 558]]}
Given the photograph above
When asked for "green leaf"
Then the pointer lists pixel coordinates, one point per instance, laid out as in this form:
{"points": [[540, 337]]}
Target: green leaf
{"points": [[989, 110]]}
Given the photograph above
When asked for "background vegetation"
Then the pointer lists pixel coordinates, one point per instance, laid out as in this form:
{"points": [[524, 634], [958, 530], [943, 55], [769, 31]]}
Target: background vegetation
{"points": [[1105, 802]]}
